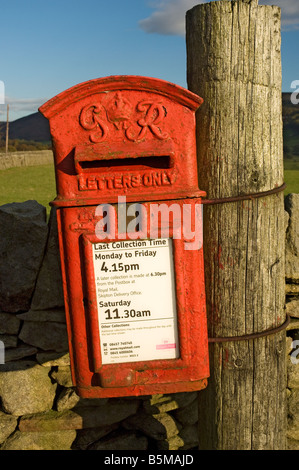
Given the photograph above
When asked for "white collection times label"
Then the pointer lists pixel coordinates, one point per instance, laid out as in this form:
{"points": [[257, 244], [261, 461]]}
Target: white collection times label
{"points": [[136, 300]]}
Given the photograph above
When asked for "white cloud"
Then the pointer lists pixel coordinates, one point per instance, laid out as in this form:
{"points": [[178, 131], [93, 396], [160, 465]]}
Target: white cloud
{"points": [[289, 12], [25, 104], [21, 106], [169, 15]]}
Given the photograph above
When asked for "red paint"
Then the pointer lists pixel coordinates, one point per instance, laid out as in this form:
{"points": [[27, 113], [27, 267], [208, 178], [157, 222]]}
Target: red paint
{"points": [[132, 137]]}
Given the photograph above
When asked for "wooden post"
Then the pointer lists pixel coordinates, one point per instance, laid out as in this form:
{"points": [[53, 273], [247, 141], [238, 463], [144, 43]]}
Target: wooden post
{"points": [[7, 127], [234, 64]]}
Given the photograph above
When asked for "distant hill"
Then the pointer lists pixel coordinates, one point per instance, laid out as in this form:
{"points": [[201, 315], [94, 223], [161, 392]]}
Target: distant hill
{"points": [[33, 127], [290, 114]]}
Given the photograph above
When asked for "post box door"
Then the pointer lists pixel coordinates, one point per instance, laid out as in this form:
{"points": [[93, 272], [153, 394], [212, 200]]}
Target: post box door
{"points": [[135, 307]]}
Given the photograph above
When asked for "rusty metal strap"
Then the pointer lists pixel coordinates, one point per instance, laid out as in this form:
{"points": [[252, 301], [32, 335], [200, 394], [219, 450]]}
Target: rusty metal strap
{"points": [[271, 331], [245, 196]]}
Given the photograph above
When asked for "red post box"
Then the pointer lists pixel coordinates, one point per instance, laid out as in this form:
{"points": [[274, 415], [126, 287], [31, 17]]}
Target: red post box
{"points": [[130, 235]]}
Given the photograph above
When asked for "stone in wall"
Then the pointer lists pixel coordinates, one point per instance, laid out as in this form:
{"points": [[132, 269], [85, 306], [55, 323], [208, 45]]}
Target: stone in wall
{"points": [[58, 440], [19, 352], [168, 420], [10, 341], [292, 307], [293, 382], [164, 403], [292, 238], [45, 329], [188, 415], [80, 417], [292, 289], [67, 399], [48, 291], [8, 424], [25, 387], [45, 335], [49, 315], [189, 436], [293, 429], [292, 444], [9, 324], [53, 359], [63, 376], [293, 374], [158, 426], [121, 441], [24, 232], [87, 437], [293, 402]]}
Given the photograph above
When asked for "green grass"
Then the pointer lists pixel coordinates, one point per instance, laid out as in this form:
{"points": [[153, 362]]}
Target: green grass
{"points": [[23, 183], [291, 164], [38, 182], [291, 178]]}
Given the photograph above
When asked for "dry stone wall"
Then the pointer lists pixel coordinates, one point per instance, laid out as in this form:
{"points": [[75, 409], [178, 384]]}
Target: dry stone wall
{"points": [[16, 159], [292, 309], [39, 407]]}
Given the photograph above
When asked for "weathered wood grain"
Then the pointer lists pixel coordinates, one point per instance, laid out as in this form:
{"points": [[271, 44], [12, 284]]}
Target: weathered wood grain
{"points": [[234, 64]]}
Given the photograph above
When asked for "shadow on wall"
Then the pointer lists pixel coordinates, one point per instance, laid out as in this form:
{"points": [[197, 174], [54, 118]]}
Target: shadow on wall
{"points": [[39, 406]]}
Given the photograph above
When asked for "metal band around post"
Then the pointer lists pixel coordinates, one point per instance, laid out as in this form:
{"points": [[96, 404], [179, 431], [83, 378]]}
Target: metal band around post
{"points": [[236, 199], [245, 196], [271, 331]]}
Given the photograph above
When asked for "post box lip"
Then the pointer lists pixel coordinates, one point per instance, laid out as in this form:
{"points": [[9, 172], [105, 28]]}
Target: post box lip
{"points": [[61, 202], [120, 82]]}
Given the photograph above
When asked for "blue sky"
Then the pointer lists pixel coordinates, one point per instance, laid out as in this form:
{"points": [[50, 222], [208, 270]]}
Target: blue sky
{"points": [[48, 46]]}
